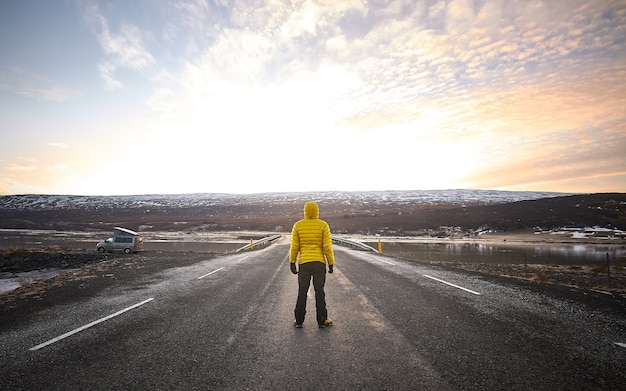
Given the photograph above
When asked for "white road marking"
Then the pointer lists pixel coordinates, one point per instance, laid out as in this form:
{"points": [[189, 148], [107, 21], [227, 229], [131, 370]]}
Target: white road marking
{"points": [[620, 344], [388, 263], [243, 258], [448, 283], [85, 327], [208, 274]]}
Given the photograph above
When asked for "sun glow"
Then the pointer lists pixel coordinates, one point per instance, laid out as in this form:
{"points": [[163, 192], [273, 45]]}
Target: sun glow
{"points": [[312, 96]]}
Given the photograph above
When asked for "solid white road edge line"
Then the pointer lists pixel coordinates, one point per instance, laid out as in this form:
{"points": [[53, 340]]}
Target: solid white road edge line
{"points": [[447, 283], [85, 327], [620, 344], [208, 274]]}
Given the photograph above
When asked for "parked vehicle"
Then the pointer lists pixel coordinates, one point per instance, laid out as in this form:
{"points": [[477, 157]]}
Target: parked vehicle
{"points": [[123, 240]]}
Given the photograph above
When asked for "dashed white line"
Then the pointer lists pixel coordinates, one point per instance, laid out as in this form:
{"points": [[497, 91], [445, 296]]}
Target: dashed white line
{"points": [[85, 327], [620, 344], [208, 274], [448, 283], [242, 258], [388, 263]]}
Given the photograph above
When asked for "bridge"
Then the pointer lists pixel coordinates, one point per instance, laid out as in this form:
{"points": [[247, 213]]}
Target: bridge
{"points": [[336, 240]]}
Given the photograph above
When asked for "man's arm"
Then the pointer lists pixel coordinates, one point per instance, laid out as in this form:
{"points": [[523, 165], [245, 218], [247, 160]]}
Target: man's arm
{"points": [[327, 243], [295, 245]]}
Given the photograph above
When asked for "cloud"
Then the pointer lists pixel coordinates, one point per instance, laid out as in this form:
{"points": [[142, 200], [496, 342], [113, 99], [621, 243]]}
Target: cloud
{"points": [[11, 166], [60, 168], [16, 176], [31, 85], [126, 47], [58, 145], [107, 73], [123, 48], [403, 62], [302, 21], [490, 87], [574, 156], [56, 174]]}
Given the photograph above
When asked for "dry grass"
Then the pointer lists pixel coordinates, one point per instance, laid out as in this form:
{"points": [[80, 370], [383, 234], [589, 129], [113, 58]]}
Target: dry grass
{"points": [[540, 276], [600, 269], [20, 251], [595, 277]]}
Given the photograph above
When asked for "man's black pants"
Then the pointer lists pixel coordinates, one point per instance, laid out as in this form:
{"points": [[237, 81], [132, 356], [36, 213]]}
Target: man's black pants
{"points": [[317, 270]]}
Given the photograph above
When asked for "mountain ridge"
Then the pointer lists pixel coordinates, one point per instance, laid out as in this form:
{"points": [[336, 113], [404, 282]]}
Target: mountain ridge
{"points": [[388, 212], [450, 196]]}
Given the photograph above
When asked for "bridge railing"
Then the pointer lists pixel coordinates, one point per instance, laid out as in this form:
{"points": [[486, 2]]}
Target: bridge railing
{"points": [[341, 241], [259, 242], [354, 244]]}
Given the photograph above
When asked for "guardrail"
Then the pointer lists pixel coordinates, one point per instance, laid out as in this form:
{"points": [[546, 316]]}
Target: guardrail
{"points": [[259, 242], [336, 240], [354, 243]]}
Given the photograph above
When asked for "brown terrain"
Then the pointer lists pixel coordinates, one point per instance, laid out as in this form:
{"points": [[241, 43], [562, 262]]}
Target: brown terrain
{"points": [[386, 217]]}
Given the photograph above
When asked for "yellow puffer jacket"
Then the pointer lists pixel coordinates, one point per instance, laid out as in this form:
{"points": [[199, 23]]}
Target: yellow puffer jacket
{"points": [[310, 238]]}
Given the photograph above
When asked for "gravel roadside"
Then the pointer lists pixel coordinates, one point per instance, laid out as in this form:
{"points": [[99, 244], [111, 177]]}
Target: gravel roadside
{"points": [[80, 274]]}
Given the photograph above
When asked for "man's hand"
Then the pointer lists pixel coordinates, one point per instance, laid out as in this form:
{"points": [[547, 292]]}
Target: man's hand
{"points": [[293, 267], [330, 269]]}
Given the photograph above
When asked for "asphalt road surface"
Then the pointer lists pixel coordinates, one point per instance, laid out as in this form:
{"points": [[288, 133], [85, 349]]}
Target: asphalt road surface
{"points": [[226, 324]]}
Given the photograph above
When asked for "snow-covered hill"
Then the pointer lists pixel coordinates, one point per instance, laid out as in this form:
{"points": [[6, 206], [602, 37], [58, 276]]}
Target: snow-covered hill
{"points": [[418, 197]]}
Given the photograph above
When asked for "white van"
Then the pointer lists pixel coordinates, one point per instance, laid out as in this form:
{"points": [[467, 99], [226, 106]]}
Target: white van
{"points": [[123, 240]]}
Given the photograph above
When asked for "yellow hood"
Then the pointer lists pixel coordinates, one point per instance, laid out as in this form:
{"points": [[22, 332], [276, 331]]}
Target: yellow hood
{"points": [[311, 210]]}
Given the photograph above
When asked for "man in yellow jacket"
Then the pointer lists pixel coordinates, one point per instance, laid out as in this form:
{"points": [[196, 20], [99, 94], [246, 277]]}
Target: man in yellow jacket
{"points": [[312, 248]]}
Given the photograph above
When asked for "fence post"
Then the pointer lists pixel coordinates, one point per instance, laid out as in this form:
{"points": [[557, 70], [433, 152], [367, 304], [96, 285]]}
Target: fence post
{"points": [[525, 265], [608, 269]]}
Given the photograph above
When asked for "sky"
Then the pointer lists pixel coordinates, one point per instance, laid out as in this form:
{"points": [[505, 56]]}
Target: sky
{"points": [[250, 96]]}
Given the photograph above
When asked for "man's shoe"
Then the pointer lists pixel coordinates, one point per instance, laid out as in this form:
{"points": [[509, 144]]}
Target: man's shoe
{"points": [[298, 325], [326, 323]]}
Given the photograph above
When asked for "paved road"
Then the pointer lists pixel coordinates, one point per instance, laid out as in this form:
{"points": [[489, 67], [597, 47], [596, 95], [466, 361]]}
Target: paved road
{"points": [[225, 324]]}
